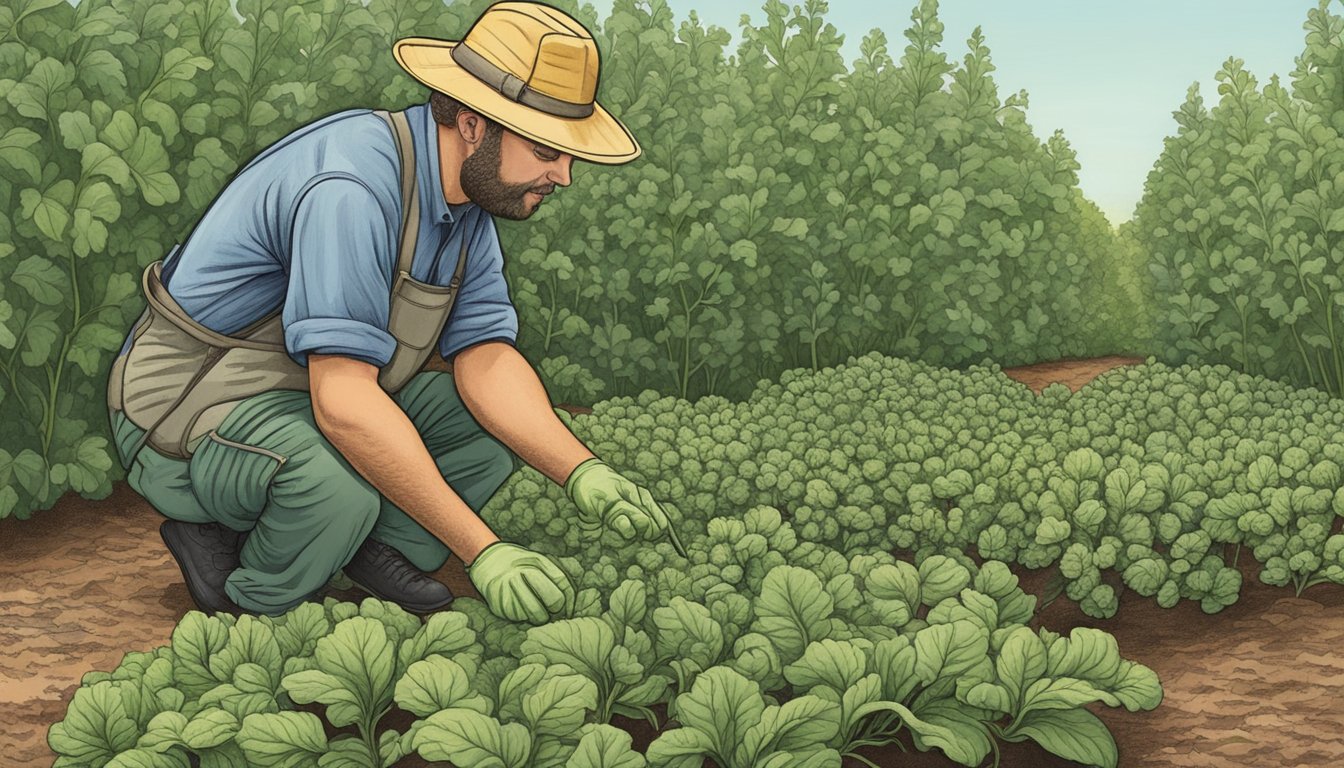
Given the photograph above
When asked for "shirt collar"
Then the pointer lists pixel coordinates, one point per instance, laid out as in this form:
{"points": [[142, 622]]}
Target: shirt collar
{"points": [[425, 137]]}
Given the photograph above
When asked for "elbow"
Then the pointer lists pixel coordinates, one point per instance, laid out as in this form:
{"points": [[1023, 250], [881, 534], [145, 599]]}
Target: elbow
{"points": [[331, 417], [332, 412]]}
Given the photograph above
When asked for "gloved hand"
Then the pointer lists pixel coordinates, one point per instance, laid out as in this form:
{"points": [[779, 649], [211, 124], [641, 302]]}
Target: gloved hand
{"points": [[519, 584], [607, 498]]}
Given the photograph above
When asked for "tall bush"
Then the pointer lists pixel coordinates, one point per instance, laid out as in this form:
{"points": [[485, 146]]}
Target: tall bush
{"points": [[1243, 215]]}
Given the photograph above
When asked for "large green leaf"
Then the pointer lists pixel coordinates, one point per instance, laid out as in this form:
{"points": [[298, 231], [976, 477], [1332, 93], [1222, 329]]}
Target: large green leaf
{"points": [[347, 752], [47, 78], [831, 663], [142, 151], [646, 692], [93, 339], [557, 706], [950, 650], [42, 279], [895, 661], [208, 170], [687, 630], [195, 641], [1087, 654], [251, 640], [583, 644], [792, 610], [100, 201], [354, 675], [95, 727], [629, 603], [298, 631], [165, 731], [148, 758], [437, 683], [800, 725], [679, 748], [517, 683], [237, 702], [86, 470], [1137, 687], [723, 705], [210, 728], [941, 577], [19, 11], [1062, 693], [1021, 662], [14, 149], [344, 706], [102, 70], [942, 725], [49, 210], [98, 159], [471, 740], [1074, 734], [603, 746], [445, 633], [282, 740]]}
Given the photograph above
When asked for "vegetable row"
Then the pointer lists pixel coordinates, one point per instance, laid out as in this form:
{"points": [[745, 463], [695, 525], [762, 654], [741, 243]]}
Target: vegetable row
{"points": [[797, 675], [1157, 478]]}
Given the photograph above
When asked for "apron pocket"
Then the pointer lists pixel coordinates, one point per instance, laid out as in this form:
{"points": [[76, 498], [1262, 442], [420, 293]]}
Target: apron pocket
{"points": [[418, 311], [233, 480]]}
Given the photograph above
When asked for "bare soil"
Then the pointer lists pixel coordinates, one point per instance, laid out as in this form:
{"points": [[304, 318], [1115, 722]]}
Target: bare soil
{"points": [[1259, 684]]}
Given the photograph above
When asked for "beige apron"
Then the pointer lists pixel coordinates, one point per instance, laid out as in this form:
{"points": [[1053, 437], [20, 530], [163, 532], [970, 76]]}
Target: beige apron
{"points": [[179, 379]]}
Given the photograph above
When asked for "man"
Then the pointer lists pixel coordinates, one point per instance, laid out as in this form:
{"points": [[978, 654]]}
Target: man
{"points": [[271, 400]]}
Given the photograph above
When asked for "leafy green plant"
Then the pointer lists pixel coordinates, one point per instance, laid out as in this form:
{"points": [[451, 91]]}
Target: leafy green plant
{"points": [[1043, 682], [726, 718]]}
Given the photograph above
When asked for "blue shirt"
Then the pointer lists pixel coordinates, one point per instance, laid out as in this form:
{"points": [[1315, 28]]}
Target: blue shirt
{"points": [[312, 222]]}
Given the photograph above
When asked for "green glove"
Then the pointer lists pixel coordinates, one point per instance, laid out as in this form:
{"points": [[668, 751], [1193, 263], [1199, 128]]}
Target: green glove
{"points": [[607, 498], [519, 584]]}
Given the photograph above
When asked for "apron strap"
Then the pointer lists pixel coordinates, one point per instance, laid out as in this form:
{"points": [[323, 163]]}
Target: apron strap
{"points": [[410, 191]]}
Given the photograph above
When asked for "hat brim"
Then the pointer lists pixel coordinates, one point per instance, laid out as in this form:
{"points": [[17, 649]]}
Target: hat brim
{"points": [[598, 138]]}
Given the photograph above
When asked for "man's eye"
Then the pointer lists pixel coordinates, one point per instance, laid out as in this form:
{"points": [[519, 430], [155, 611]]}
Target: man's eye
{"points": [[544, 155]]}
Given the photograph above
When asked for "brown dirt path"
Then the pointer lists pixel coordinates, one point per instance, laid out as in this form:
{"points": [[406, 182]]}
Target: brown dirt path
{"points": [[1260, 684]]}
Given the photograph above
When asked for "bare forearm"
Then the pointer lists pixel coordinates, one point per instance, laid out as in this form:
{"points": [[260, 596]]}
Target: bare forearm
{"points": [[382, 444], [503, 393]]}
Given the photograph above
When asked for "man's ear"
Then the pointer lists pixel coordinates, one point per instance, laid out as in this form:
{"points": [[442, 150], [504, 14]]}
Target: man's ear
{"points": [[470, 126]]}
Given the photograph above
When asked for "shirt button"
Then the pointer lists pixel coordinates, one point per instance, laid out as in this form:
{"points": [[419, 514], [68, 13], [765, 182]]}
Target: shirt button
{"points": [[446, 217]]}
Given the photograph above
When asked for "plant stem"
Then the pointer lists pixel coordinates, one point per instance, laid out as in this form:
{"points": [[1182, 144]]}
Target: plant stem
{"points": [[367, 729], [608, 702], [862, 759]]}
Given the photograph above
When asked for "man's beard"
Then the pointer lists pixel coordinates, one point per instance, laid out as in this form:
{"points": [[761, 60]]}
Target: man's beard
{"points": [[481, 183]]}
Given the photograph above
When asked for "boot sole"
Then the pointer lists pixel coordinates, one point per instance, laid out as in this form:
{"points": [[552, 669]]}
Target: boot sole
{"points": [[201, 593]]}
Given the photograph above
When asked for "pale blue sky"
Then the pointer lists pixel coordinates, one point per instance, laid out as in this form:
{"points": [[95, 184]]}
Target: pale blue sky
{"points": [[1108, 73]]}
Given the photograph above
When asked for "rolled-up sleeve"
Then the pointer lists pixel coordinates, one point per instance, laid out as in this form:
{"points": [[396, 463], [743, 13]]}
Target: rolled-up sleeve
{"points": [[483, 311], [339, 279]]}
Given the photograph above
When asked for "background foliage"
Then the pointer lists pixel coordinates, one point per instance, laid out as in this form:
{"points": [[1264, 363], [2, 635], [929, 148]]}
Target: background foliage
{"points": [[1242, 219], [789, 210]]}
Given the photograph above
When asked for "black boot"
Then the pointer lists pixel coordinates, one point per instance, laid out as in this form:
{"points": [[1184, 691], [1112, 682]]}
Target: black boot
{"points": [[387, 574], [207, 553]]}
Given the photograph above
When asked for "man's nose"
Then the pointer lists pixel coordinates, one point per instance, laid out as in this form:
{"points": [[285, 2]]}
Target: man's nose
{"points": [[559, 174]]}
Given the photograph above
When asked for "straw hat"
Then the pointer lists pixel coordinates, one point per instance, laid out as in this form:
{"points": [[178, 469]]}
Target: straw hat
{"points": [[532, 68]]}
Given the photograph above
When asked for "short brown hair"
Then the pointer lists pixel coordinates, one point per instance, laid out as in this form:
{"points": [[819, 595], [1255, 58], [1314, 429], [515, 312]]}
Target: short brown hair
{"points": [[445, 109]]}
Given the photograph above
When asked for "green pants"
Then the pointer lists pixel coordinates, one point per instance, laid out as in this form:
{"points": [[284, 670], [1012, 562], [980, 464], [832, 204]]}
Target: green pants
{"points": [[270, 472]]}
